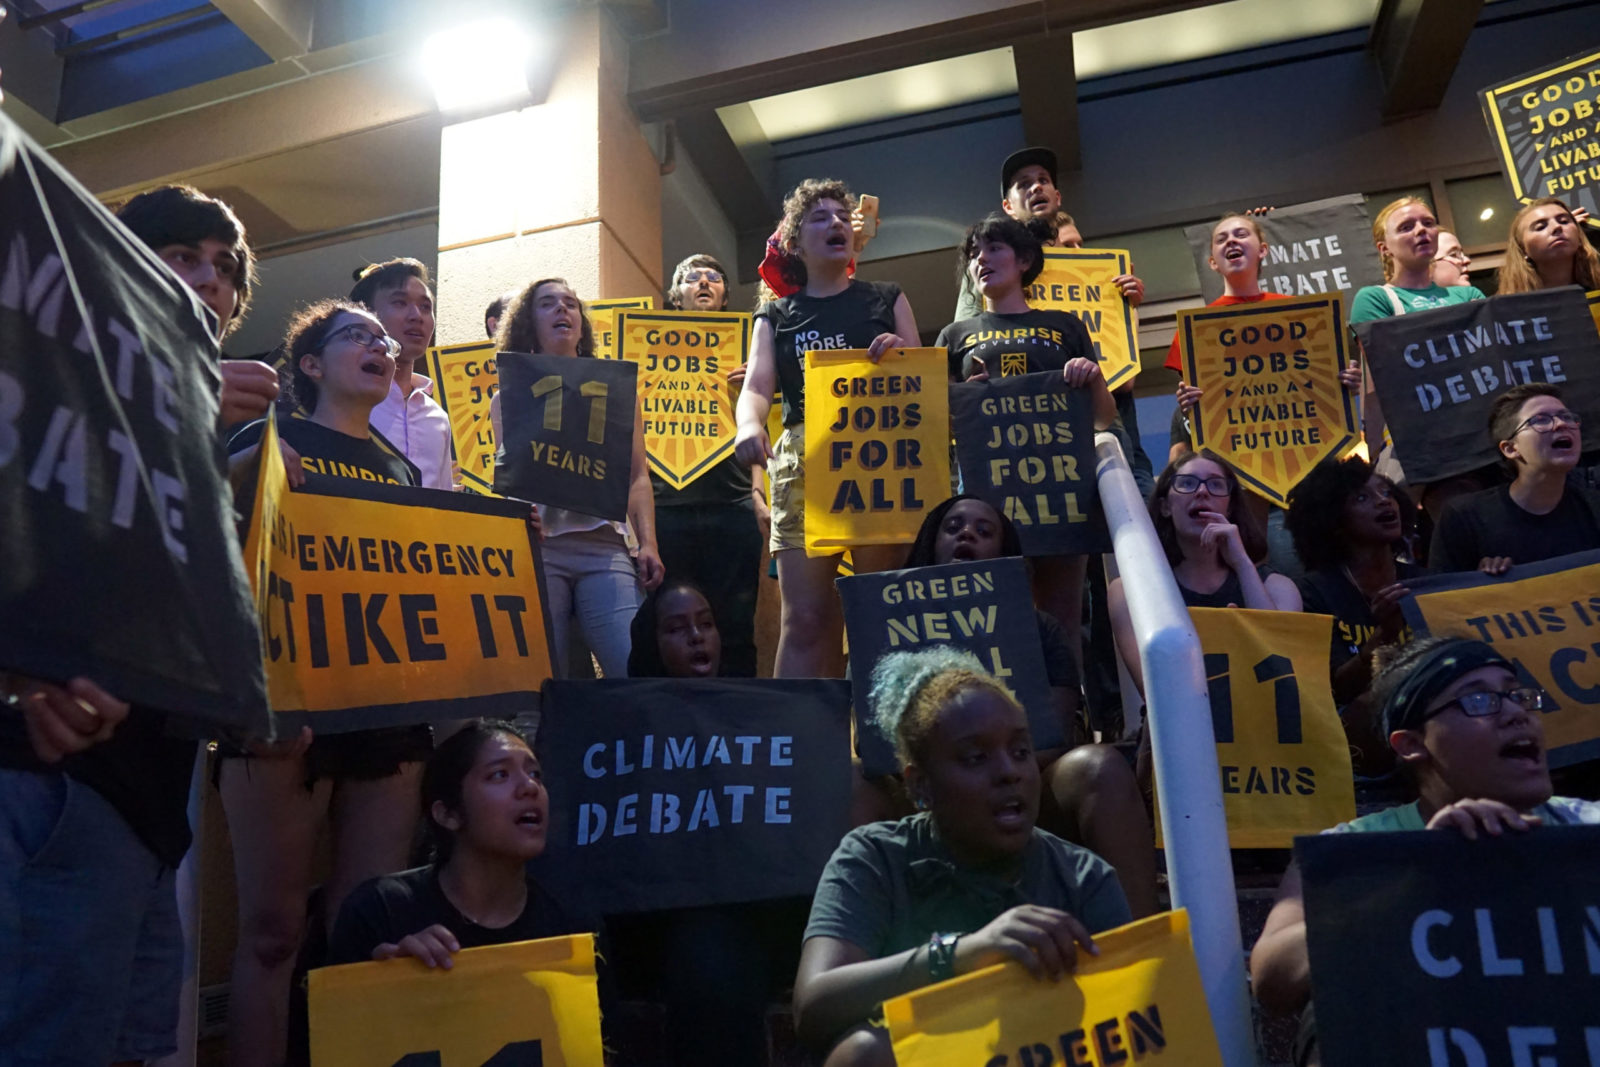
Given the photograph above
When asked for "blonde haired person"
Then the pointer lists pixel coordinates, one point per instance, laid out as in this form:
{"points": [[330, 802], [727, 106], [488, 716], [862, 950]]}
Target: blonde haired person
{"points": [[966, 882], [1548, 248]]}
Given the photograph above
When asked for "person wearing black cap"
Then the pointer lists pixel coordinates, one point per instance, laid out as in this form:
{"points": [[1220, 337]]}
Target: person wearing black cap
{"points": [[1469, 735]]}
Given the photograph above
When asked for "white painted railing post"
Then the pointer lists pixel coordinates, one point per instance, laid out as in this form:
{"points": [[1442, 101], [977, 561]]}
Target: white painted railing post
{"points": [[1178, 716]]}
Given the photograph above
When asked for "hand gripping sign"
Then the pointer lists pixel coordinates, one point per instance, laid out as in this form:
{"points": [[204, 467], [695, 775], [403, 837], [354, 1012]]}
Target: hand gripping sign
{"points": [[683, 359], [1273, 406]]}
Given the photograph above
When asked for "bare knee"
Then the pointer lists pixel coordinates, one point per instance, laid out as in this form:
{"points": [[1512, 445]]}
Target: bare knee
{"points": [[1091, 768], [272, 937], [865, 1046]]}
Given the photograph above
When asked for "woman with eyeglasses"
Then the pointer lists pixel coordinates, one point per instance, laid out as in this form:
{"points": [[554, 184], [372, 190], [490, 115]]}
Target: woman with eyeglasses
{"points": [[1548, 248], [1350, 527], [1468, 736], [365, 783], [1541, 513], [1451, 262], [1213, 544]]}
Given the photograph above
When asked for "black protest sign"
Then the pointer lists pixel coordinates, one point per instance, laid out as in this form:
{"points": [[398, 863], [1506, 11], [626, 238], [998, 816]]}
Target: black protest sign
{"points": [[1546, 128], [1323, 246], [119, 560], [1026, 446], [983, 606], [1437, 372], [674, 793], [1428, 948], [568, 432]]}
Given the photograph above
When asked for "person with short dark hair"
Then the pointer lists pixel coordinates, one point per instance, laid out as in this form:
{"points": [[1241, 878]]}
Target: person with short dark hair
{"points": [[1349, 525], [967, 882], [1468, 735], [710, 531], [400, 293], [487, 814], [492, 313], [1540, 514]]}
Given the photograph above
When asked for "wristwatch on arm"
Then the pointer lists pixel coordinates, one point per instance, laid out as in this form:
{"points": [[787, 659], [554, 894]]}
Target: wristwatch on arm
{"points": [[942, 956]]}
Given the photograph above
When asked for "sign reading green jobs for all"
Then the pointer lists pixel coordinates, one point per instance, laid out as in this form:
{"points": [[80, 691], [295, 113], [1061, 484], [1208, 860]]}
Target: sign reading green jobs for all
{"points": [[1546, 127]]}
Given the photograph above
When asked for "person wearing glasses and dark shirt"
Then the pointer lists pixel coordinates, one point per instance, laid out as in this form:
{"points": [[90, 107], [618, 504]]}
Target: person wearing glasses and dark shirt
{"points": [[1540, 514], [1468, 735], [710, 531]]}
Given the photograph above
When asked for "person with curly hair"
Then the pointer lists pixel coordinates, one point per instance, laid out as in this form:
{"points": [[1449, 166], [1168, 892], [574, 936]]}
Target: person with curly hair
{"points": [[966, 882], [1350, 526], [1548, 248], [592, 580], [823, 308]]}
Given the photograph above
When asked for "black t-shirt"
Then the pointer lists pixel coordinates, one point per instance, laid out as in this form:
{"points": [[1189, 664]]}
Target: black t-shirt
{"points": [[1490, 523], [1229, 594], [726, 483], [1178, 432], [140, 771], [1025, 343], [851, 319], [388, 909], [332, 454], [1331, 592]]}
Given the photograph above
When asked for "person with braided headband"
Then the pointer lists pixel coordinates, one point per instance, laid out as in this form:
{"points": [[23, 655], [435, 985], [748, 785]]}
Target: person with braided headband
{"points": [[967, 882], [1466, 730]]}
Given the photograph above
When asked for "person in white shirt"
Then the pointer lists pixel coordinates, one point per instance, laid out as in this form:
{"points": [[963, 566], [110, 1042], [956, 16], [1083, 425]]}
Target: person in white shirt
{"points": [[400, 294]]}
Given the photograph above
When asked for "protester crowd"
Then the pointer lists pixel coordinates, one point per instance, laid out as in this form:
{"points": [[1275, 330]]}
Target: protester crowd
{"points": [[981, 849]]}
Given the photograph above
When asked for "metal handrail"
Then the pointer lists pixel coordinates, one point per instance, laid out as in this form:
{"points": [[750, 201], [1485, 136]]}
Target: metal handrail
{"points": [[1184, 749]]}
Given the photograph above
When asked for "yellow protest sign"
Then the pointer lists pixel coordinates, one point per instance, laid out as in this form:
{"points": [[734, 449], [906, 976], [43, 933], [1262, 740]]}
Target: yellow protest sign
{"points": [[1281, 748], [1546, 621], [684, 358], [1273, 406], [465, 380], [603, 321], [1078, 281], [1139, 999], [877, 448], [526, 1004], [383, 604]]}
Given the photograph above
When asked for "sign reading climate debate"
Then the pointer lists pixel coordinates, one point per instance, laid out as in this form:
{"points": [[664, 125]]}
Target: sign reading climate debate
{"points": [[684, 358], [1546, 125], [1273, 406]]}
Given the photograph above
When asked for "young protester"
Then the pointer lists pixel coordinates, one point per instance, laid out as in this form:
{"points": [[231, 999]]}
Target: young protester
{"points": [[1004, 257], [591, 579], [1469, 737], [487, 815], [365, 783], [1350, 527], [93, 793], [1238, 249], [1451, 264], [710, 530], [1090, 795], [967, 882], [716, 968], [1213, 544], [820, 307], [1540, 514], [400, 293], [1547, 249]]}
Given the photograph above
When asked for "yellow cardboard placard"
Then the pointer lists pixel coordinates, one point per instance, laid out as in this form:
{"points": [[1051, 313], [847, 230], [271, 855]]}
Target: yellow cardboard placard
{"points": [[1139, 1000], [684, 358], [1281, 747], [1078, 281], [1547, 625], [530, 1002], [603, 321], [877, 447], [465, 380], [367, 603], [1273, 406]]}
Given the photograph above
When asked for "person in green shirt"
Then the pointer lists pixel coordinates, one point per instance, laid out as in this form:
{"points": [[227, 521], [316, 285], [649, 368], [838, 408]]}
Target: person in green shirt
{"points": [[1468, 734]]}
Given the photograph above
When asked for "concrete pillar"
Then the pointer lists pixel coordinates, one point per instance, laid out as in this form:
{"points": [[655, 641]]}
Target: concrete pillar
{"points": [[566, 188]]}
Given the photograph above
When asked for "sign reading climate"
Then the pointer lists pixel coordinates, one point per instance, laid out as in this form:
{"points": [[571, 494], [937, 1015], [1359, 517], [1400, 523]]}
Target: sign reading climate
{"points": [[1546, 125], [684, 359], [1273, 406]]}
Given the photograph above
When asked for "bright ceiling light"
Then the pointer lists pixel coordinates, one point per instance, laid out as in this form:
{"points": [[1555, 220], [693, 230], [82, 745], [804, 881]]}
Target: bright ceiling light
{"points": [[1486, 214], [478, 63]]}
